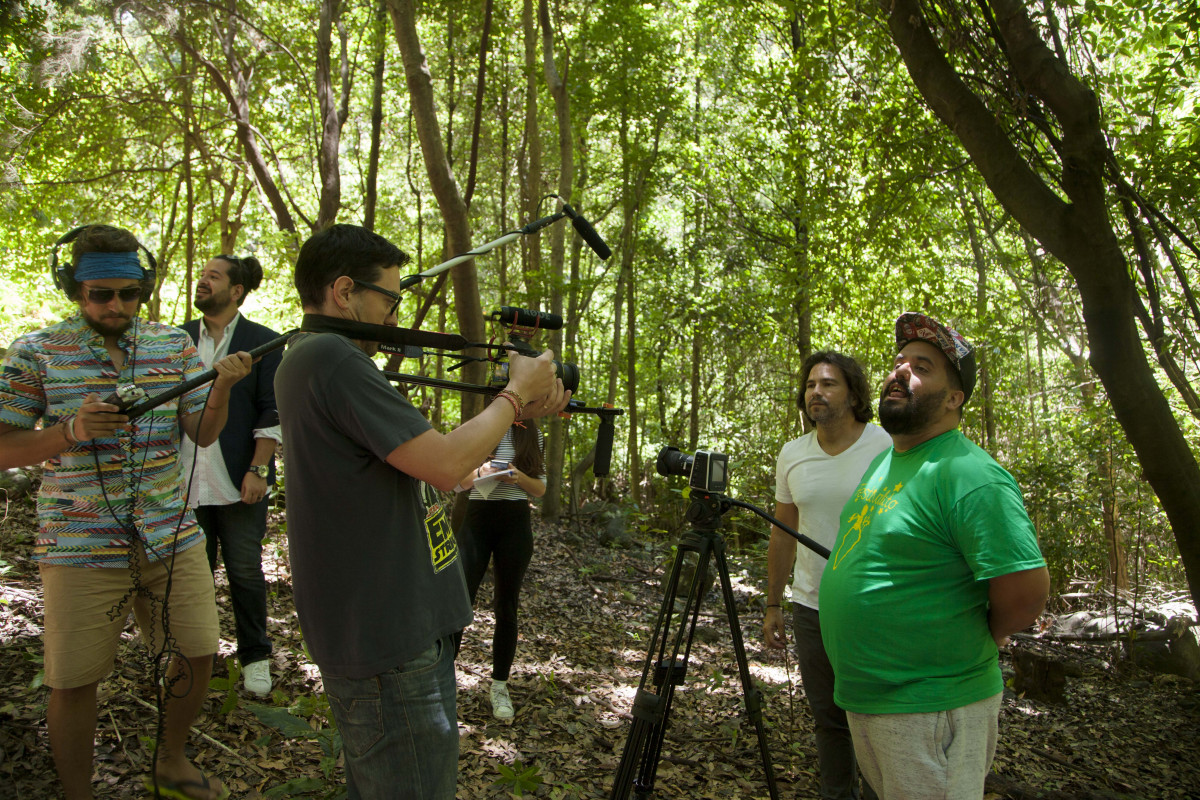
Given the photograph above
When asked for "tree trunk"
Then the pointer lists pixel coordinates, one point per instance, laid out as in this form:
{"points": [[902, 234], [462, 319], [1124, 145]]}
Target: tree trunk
{"points": [[237, 96], [531, 187], [797, 166], [1077, 231], [334, 105], [552, 502], [631, 388], [695, 216], [572, 330], [371, 200], [1118, 569], [504, 160], [984, 394], [485, 39], [190, 244], [445, 190]]}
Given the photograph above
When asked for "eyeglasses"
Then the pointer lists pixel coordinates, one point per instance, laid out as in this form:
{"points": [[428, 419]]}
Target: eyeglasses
{"points": [[393, 296], [104, 296]]}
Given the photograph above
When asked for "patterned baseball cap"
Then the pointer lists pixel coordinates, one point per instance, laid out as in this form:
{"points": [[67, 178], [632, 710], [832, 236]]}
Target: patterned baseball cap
{"points": [[911, 327]]}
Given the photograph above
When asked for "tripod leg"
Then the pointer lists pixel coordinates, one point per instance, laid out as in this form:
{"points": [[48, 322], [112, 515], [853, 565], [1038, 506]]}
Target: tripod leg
{"points": [[751, 693], [651, 709]]}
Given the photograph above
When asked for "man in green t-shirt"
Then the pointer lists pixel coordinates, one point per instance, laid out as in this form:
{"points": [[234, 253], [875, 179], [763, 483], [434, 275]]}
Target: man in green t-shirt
{"points": [[935, 564]]}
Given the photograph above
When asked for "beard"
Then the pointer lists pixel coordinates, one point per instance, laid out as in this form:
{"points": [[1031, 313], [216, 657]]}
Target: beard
{"points": [[912, 414], [212, 302], [823, 413], [109, 324]]}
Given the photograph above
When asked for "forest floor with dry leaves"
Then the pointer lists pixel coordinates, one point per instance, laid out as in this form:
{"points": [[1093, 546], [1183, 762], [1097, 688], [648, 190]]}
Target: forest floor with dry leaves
{"points": [[587, 615]]}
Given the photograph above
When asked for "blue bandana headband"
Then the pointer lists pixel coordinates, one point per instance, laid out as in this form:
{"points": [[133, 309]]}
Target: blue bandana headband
{"points": [[98, 266]]}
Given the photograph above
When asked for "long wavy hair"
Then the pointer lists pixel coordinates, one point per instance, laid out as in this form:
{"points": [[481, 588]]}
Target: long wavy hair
{"points": [[856, 381], [529, 458]]}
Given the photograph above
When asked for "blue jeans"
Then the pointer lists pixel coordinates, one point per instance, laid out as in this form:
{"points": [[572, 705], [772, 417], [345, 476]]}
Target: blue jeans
{"points": [[238, 529], [400, 728]]}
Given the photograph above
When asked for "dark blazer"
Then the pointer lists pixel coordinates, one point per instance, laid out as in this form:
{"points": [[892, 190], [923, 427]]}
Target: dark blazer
{"points": [[251, 400]]}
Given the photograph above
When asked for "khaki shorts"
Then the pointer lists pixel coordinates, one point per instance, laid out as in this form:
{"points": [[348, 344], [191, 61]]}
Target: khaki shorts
{"points": [[86, 610]]}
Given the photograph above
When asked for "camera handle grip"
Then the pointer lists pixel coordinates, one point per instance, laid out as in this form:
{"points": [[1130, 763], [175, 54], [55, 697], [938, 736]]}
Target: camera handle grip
{"points": [[604, 445]]}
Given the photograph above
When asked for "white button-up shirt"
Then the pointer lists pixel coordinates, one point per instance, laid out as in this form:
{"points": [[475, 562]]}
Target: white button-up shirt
{"points": [[210, 481]]}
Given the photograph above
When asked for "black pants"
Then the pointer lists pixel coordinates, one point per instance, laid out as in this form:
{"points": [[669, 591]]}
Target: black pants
{"points": [[835, 749], [499, 531], [237, 530]]}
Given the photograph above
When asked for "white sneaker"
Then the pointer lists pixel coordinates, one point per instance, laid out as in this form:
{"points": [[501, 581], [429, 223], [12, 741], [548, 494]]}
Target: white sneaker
{"points": [[502, 707], [256, 677]]}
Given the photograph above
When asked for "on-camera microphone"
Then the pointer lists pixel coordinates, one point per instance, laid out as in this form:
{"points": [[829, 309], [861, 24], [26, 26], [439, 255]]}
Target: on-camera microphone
{"points": [[587, 232], [524, 318]]}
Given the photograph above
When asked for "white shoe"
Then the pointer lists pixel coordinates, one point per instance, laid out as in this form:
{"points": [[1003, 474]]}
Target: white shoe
{"points": [[502, 707], [256, 677]]}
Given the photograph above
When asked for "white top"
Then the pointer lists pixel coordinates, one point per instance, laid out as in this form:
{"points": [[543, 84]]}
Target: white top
{"points": [[211, 484], [506, 451], [819, 485]]}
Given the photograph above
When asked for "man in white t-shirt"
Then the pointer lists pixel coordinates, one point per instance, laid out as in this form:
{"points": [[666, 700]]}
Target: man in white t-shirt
{"points": [[815, 476]]}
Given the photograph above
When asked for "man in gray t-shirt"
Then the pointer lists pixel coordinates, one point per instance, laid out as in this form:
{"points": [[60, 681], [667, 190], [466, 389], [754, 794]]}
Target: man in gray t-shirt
{"points": [[378, 584]]}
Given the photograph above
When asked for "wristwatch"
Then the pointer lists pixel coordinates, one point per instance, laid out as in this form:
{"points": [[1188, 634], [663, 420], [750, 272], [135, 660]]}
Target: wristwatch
{"points": [[261, 470]]}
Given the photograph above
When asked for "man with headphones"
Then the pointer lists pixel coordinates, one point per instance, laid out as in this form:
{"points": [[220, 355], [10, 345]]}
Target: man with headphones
{"points": [[230, 480], [114, 532]]}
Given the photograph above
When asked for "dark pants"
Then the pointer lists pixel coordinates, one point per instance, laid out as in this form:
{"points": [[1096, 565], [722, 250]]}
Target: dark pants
{"points": [[835, 749], [238, 531], [400, 728], [498, 530]]}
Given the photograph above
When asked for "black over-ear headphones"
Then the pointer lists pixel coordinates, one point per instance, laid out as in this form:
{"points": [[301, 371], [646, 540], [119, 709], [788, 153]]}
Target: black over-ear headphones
{"points": [[64, 273]]}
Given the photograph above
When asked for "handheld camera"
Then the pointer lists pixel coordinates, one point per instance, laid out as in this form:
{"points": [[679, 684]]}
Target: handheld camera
{"points": [[707, 470]]}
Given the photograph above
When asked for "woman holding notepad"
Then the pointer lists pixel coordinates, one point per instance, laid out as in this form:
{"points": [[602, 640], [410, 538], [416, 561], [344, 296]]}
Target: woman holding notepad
{"points": [[497, 528]]}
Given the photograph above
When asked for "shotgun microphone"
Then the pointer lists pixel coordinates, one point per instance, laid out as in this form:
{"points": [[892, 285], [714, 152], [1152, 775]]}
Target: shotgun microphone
{"points": [[587, 232]]}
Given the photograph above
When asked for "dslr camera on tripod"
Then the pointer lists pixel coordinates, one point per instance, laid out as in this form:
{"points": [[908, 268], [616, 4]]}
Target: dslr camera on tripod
{"points": [[522, 324], [707, 470]]}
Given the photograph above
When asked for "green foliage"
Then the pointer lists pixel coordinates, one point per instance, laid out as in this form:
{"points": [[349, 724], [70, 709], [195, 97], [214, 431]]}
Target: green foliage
{"points": [[777, 182], [228, 685], [518, 778], [309, 717]]}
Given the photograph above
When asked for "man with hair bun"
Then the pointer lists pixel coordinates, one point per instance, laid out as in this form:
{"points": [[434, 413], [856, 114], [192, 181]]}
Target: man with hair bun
{"points": [[230, 479], [814, 477]]}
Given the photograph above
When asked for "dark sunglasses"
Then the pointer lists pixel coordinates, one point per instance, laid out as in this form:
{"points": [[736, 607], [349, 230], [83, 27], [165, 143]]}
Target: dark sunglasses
{"points": [[102, 296], [395, 298]]}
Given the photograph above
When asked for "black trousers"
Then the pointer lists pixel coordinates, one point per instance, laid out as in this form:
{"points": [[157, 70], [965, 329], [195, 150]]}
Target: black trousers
{"points": [[498, 531], [237, 531]]}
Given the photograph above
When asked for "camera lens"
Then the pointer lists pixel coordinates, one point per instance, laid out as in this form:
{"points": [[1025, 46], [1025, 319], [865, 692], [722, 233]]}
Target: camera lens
{"points": [[569, 374], [672, 462]]}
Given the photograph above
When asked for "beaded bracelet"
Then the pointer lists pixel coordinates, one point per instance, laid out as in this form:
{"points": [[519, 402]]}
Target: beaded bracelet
{"points": [[511, 401], [516, 395], [517, 403]]}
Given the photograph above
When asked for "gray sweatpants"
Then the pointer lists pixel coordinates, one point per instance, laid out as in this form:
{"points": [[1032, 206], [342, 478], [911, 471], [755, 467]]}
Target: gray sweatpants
{"points": [[939, 755]]}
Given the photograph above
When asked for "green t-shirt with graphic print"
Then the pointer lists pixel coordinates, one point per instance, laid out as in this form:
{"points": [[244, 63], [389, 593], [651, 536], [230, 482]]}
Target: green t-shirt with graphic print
{"points": [[904, 597]]}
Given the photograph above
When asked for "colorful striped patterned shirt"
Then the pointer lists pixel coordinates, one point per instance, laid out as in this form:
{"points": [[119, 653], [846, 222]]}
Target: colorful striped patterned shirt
{"points": [[84, 521]]}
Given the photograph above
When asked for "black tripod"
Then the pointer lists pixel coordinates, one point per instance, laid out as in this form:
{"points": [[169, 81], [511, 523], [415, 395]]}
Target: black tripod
{"points": [[652, 706]]}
